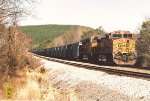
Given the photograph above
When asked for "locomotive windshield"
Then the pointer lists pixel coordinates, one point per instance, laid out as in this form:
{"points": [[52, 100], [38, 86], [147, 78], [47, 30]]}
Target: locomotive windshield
{"points": [[127, 35], [117, 35], [122, 35]]}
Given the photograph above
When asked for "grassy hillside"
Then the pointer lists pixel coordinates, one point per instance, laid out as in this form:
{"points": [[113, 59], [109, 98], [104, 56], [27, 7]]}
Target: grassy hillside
{"points": [[43, 34]]}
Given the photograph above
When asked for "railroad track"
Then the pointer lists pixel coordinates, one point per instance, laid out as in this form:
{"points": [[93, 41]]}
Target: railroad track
{"points": [[131, 72]]}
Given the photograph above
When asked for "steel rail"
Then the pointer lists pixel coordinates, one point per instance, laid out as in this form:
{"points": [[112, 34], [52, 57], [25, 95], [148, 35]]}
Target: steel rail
{"points": [[102, 68]]}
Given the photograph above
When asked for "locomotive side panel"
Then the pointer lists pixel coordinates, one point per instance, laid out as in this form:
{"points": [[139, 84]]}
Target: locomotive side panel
{"points": [[85, 49]]}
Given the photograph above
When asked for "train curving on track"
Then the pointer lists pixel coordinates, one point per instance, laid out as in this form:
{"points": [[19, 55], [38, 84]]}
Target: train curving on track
{"points": [[116, 47]]}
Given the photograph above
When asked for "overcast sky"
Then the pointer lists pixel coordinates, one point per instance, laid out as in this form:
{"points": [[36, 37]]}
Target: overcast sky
{"points": [[110, 14]]}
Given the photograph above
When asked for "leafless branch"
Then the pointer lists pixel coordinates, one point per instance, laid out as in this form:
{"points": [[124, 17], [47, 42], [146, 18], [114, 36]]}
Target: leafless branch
{"points": [[12, 43]]}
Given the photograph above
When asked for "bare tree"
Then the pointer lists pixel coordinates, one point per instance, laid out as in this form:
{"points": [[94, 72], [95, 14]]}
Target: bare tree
{"points": [[11, 47]]}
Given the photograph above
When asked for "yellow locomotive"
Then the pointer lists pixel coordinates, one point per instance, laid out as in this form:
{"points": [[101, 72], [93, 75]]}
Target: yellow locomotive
{"points": [[117, 47]]}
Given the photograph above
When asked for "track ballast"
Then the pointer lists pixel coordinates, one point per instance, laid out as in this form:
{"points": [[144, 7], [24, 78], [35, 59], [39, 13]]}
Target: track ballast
{"points": [[115, 70]]}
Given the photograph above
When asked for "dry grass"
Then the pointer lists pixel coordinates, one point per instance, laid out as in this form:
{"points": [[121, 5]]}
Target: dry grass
{"points": [[33, 84], [24, 87], [32, 90], [8, 84]]}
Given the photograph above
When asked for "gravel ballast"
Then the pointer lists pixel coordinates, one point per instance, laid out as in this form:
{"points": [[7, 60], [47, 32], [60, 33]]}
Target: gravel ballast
{"points": [[91, 85]]}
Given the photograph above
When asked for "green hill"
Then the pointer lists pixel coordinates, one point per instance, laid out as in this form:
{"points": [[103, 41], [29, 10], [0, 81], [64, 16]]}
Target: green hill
{"points": [[43, 34]]}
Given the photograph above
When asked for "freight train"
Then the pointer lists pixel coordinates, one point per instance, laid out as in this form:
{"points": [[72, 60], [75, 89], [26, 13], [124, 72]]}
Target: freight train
{"points": [[116, 47]]}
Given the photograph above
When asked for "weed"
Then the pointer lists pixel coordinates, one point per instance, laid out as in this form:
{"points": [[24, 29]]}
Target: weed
{"points": [[9, 91]]}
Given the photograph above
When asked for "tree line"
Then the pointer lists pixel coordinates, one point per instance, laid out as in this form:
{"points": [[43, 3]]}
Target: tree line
{"points": [[143, 44]]}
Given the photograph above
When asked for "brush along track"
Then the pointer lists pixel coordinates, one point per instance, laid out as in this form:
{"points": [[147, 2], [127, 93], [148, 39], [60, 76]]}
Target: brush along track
{"points": [[117, 70]]}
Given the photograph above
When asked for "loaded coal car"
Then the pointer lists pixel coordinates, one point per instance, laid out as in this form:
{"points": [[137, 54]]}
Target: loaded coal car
{"points": [[64, 48], [42, 52], [38, 51], [47, 52], [56, 52], [52, 52], [69, 52], [60, 52], [75, 50]]}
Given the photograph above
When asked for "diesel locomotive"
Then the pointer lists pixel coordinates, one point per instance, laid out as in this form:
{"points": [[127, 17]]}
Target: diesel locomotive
{"points": [[116, 47]]}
